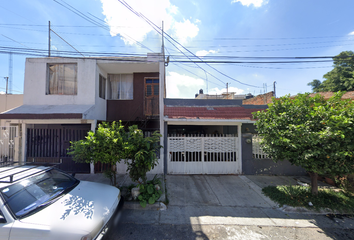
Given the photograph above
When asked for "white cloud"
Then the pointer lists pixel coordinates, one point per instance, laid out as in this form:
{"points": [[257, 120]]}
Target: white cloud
{"points": [[218, 91], [185, 30], [352, 33], [130, 27], [182, 86], [256, 3], [203, 53]]}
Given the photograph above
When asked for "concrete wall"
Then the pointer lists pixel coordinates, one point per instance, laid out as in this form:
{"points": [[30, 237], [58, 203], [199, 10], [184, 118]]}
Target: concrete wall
{"points": [[251, 166], [36, 78], [9, 101]]}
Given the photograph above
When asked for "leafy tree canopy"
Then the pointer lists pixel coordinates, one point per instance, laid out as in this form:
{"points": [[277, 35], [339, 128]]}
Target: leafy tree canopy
{"points": [[340, 78], [105, 145], [310, 132], [111, 143]]}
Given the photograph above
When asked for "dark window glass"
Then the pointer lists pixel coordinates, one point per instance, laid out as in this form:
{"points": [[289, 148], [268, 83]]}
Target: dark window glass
{"points": [[148, 90], [155, 81], [102, 87], [148, 80], [156, 89]]}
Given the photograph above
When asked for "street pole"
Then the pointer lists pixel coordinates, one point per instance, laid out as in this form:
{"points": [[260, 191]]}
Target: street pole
{"points": [[7, 83], [49, 40]]}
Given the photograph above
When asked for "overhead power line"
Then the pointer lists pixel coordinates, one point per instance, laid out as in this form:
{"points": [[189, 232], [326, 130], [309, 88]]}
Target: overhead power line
{"points": [[188, 59], [66, 42], [169, 37]]}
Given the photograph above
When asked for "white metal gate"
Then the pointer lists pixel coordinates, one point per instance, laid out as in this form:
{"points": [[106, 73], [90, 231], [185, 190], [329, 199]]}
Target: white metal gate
{"points": [[9, 142], [203, 154]]}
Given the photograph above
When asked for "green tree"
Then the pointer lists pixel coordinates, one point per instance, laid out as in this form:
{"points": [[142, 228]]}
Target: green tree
{"points": [[315, 85], [341, 77], [106, 145], [111, 143], [310, 132], [141, 153]]}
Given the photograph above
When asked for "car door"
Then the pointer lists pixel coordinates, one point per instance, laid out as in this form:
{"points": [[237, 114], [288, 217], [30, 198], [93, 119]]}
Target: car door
{"points": [[5, 226], [27, 231]]}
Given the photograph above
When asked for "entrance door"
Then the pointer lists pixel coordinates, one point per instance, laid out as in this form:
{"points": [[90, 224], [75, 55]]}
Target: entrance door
{"points": [[151, 97]]}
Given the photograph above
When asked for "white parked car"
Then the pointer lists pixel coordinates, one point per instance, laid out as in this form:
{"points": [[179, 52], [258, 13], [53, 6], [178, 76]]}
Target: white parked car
{"points": [[42, 202]]}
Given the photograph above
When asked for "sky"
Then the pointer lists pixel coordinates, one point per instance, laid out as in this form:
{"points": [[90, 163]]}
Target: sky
{"points": [[209, 43]]}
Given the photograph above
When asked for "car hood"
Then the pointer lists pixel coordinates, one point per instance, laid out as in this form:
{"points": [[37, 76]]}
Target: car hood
{"points": [[86, 209]]}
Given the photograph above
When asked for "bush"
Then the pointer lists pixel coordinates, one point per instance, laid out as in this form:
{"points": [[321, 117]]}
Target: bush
{"points": [[149, 192]]}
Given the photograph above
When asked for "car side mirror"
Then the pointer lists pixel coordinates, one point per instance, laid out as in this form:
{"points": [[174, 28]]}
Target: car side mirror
{"points": [[73, 174], [2, 218]]}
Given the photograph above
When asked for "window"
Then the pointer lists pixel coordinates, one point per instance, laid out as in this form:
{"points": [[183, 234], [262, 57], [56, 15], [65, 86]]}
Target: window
{"points": [[120, 86], [102, 87], [151, 87], [62, 79]]}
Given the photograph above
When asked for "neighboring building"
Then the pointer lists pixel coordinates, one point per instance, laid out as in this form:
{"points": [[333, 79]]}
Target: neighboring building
{"points": [[225, 95], [216, 136], [327, 95], [261, 99], [64, 98], [9, 101]]}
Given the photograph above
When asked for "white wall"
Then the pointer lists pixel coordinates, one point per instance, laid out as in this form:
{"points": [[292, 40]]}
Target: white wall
{"points": [[100, 104], [35, 82]]}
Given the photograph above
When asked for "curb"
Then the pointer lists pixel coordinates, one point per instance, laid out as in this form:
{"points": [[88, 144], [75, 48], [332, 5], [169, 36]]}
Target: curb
{"points": [[158, 206], [304, 210]]}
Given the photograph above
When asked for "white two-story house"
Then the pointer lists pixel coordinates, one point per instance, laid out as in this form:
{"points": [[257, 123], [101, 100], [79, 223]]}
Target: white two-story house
{"points": [[64, 98]]}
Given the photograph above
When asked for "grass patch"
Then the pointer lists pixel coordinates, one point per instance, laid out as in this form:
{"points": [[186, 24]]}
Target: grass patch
{"points": [[300, 196]]}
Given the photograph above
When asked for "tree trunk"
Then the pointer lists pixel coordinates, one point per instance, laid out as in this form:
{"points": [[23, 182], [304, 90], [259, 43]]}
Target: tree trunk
{"points": [[314, 185], [114, 172]]}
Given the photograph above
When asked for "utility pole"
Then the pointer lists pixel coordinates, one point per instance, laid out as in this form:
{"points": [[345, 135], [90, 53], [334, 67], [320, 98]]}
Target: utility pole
{"points": [[7, 83], [49, 39], [274, 88], [10, 73], [164, 64]]}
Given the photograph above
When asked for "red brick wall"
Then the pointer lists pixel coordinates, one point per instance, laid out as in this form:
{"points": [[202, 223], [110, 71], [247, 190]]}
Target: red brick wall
{"points": [[262, 99]]}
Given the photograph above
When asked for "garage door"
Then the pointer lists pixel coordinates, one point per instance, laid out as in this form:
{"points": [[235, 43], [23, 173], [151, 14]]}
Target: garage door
{"points": [[203, 155]]}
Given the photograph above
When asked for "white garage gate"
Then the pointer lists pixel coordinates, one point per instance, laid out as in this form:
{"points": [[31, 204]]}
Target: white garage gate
{"points": [[209, 154]]}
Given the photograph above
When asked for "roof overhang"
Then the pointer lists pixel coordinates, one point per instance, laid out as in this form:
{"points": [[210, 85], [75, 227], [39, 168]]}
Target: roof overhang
{"points": [[47, 112], [183, 121]]}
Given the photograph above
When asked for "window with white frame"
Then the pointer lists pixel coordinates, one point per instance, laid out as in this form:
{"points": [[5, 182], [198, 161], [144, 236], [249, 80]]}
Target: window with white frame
{"points": [[102, 87], [62, 79], [120, 86]]}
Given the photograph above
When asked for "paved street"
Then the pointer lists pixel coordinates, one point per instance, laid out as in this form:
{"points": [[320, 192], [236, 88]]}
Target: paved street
{"points": [[225, 207]]}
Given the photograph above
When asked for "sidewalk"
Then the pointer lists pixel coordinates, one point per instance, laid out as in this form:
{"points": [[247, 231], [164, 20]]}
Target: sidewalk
{"points": [[212, 190]]}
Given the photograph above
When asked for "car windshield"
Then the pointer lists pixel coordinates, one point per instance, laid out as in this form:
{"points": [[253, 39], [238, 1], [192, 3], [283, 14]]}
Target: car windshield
{"points": [[38, 191]]}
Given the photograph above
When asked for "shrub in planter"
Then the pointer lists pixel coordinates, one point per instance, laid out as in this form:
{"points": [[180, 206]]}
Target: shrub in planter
{"points": [[149, 192]]}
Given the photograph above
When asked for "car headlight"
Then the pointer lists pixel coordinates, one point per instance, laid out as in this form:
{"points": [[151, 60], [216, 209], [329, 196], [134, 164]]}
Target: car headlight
{"points": [[87, 237]]}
